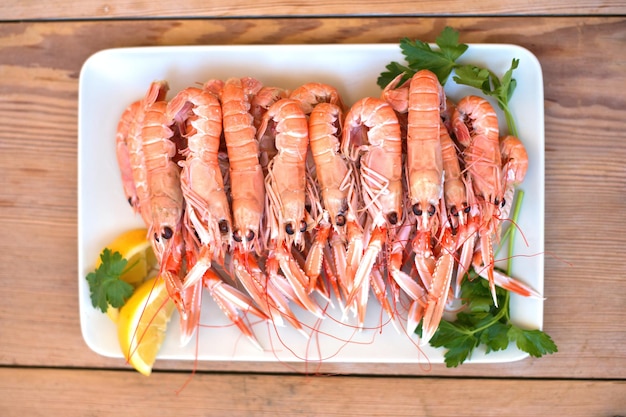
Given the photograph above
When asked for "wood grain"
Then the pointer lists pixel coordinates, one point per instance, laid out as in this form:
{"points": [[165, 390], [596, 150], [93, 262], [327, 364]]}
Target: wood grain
{"points": [[93, 9], [583, 60], [104, 393]]}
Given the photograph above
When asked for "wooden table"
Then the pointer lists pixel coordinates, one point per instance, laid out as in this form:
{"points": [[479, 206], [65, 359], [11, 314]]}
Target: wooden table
{"points": [[47, 369]]}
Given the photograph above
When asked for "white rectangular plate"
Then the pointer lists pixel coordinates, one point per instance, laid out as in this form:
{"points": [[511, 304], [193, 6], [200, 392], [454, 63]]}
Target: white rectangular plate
{"points": [[110, 80]]}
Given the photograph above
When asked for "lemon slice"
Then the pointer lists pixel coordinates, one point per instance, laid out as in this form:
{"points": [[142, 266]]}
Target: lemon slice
{"points": [[142, 324], [135, 247]]}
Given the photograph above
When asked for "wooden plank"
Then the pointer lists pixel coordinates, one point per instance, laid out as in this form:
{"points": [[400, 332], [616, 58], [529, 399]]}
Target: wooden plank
{"points": [[33, 9], [35, 392], [582, 60]]}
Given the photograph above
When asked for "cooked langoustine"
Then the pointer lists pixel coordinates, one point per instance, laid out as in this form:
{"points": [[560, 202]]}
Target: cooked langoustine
{"points": [[418, 103], [514, 160], [165, 197], [455, 188], [457, 195], [246, 173], [424, 166], [372, 137], [424, 158], [427, 193], [157, 91], [248, 196], [286, 181], [286, 188], [332, 170], [514, 167], [337, 224], [329, 174], [475, 125], [207, 210]]}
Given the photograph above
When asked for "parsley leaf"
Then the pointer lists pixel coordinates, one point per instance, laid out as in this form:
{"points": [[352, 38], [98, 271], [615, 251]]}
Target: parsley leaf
{"points": [[459, 341], [393, 70], [535, 342], [419, 55], [105, 286], [495, 337]]}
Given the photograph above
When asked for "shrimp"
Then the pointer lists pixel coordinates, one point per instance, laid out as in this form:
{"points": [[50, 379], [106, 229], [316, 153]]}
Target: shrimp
{"points": [[372, 132], [325, 125], [287, 177], [151, 142], [424, 157], [425, 179], [514, 167], [246, 174], [285, 188], [332, 180], [514, 161], [165, 198], [419, 101], [248, 195], [475, 125], [454, 186], [207, 209], [156, 92], [457, 192], [337, 183]]}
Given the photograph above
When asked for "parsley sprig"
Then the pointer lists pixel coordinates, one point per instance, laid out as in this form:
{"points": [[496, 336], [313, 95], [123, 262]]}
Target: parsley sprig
{"points": [[105, 286], [442, 62], [419, 55], [481, 322]]}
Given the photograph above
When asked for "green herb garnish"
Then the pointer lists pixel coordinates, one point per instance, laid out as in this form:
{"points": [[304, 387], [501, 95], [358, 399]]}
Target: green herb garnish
{"points": [[442, 61], [419, 55], [105, 286], [483, 323]]}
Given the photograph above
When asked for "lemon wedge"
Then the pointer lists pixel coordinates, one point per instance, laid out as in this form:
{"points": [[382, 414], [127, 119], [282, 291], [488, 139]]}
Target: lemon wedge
{"points": [[142, 324], [135, 247]]}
